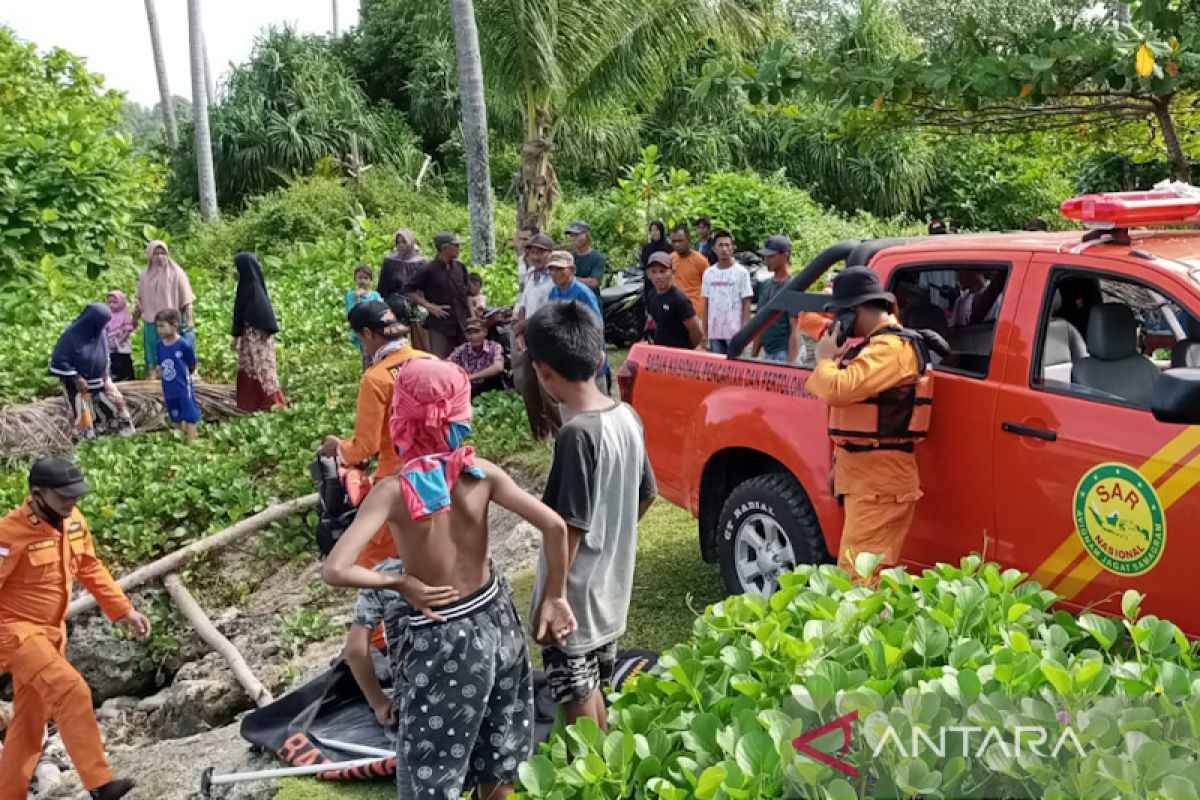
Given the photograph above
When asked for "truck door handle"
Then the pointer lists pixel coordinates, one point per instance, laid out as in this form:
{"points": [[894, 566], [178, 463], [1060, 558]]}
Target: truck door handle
{"points": [[1025, 430]]}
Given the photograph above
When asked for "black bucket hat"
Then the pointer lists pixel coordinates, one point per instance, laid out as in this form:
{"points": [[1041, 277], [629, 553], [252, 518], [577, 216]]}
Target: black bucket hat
{"points": [[854, 286]]}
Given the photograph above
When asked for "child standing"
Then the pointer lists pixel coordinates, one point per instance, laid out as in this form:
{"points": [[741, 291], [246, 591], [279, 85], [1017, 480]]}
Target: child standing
{"points": [[475, 296], [601, 484], [120, 337], [375, 607], [465, 685], [176, 363], [362, 292]]}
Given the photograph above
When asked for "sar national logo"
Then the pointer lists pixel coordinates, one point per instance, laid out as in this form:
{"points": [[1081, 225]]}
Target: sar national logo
{"points": [[1120, 520]]}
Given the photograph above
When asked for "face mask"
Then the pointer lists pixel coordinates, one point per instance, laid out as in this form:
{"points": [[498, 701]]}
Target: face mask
{"points": [[52, 517]]}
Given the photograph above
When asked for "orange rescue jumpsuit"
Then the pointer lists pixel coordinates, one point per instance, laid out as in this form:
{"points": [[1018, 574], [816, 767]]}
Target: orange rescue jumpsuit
{"points": [[372, 436], [880, 488], [38, 567]]}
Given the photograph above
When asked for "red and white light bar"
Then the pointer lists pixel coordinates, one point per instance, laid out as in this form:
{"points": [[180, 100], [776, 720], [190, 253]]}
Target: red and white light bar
{"points": [[1133, 209]]}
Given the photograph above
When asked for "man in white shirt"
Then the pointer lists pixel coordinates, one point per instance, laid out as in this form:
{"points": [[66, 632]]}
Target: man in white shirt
{"points": [[524, 236], [727, 291], [544, 419]]}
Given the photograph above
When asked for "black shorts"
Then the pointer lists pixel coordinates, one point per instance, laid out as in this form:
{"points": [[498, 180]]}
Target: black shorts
{"points": [[573, 679], [465, 696]]}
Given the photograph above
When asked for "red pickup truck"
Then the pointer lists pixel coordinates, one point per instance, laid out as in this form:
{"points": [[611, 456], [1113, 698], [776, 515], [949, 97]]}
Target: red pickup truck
{"points": [[1065, 439]]}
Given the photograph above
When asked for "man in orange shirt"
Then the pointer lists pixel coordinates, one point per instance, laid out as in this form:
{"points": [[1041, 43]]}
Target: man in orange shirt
{"points": [[44, 546], [690, 266], [383, 339], [880, 395]]}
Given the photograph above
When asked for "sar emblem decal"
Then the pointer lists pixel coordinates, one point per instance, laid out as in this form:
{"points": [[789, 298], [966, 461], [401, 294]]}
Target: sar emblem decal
{"points": [[1119, 519]]}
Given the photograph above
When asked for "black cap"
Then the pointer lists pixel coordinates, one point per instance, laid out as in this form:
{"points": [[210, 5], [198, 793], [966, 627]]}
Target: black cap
{"points": [[542, 242], [854, 286], [776, 245], [474, 322], [937, 227], [376, 315], [444, 238], [579, 226], [59, 475]]}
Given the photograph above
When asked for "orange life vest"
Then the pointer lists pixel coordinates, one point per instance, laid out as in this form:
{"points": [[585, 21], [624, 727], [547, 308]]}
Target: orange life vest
{"points": [[894, 419]]}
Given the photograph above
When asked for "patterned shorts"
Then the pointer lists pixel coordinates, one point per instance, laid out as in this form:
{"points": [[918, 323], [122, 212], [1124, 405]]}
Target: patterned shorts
{"points": [[574, 678], [465, 696]]}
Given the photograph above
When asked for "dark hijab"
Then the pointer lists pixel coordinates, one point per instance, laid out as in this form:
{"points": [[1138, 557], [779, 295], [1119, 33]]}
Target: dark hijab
{"points": [[652, 247], [83, 345], [252, 305]]}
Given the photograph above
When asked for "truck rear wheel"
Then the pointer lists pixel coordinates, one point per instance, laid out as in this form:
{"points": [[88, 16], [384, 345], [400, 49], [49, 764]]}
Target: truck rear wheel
{"points": [[766, 527]]}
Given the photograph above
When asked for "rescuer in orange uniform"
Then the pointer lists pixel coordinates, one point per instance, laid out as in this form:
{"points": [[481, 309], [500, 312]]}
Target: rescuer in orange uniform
{"points": [[44, 546], [880, 395], [384, 340]]}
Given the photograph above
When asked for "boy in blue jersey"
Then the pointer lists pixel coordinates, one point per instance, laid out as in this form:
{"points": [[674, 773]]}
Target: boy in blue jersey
{"points": [[176, 363]]}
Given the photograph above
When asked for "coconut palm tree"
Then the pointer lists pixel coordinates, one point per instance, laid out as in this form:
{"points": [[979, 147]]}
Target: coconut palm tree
{"points": [[475, 131], [567, 61], [160, 69], [205, 178]]}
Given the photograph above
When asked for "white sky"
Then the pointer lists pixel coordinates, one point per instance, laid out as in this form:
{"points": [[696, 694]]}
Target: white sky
{"points": [[114, 38]]}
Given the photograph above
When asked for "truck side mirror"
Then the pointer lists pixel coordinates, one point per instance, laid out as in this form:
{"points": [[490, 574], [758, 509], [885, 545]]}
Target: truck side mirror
{"points": [[1176, 396]]}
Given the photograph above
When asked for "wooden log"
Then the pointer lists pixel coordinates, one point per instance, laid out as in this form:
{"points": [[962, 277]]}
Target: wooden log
{"points": [[214, 639], [172, 563]]}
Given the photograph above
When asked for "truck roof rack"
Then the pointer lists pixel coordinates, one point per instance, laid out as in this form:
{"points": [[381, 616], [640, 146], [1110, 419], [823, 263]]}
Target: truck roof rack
{"points": [[795, 296]]}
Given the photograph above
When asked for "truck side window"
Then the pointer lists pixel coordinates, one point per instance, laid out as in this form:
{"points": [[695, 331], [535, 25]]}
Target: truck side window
{"points": [[961, 303], [1108, 338]]}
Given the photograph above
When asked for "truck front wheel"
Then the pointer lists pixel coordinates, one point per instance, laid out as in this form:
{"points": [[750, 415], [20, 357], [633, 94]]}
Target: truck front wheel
{"points": [[766, 527]]}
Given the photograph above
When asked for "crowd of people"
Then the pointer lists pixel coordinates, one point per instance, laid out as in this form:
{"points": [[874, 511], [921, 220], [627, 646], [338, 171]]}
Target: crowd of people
{"points": [[94, 353], [430, 597]]}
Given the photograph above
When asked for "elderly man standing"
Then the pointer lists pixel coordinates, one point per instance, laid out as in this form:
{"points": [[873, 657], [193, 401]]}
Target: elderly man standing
{"points": [[539, 407], [45, 545], [590, 265], [440, 287]]}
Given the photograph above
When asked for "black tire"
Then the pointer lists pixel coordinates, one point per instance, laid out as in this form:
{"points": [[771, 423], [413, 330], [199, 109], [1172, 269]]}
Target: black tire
{"points": [[750, 509]]}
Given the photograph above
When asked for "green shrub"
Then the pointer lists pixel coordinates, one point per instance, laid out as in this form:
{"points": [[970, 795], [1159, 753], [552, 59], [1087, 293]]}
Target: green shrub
{"points": [[966, 645], [994, 184], [74, 191], [500, 425], [292, 108]]}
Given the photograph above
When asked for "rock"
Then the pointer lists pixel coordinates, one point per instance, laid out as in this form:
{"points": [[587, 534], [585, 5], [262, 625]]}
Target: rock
{"points": [[153, 703], [205, 695], [108, 664], [46, 779], [54, 752], [116, 708]]}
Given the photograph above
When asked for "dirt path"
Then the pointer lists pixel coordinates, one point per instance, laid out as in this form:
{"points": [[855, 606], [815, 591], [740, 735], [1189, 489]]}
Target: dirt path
{"points": [[165, 743]]}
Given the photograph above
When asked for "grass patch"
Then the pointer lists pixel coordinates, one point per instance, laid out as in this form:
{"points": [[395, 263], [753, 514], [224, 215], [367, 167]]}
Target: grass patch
{"points": [[671, 579]]}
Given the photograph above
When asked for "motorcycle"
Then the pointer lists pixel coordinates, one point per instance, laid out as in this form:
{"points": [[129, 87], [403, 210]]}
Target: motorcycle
{"points": [[623, 305], [760, 273]]}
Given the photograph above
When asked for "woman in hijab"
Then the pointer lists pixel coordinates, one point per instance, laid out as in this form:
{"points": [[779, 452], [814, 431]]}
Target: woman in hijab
{"points": [[658, 243], [398, 268], [80, 361], [254, 329], [163, 284], [120, 337]]}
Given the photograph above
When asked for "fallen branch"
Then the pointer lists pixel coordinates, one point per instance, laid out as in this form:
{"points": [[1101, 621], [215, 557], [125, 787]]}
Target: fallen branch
{"points": [[172, 563], [214, 639]]}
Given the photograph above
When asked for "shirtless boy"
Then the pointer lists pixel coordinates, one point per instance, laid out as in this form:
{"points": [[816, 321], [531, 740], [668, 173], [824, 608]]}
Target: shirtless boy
{"points": [[465, 683]]}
